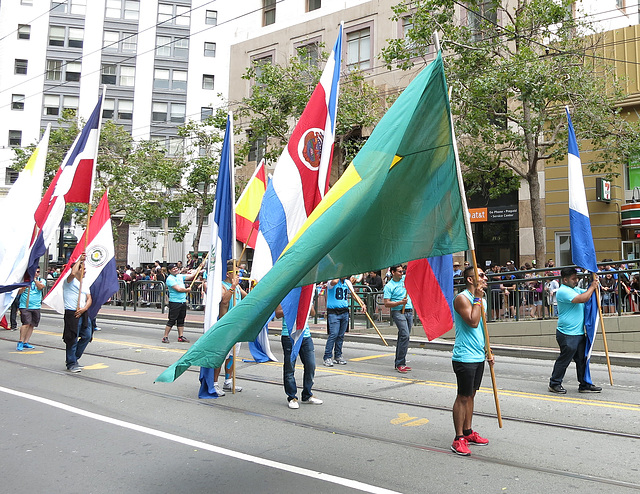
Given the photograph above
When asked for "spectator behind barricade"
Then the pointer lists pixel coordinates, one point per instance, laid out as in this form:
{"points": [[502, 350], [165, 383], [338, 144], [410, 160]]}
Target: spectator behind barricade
{"points": [[456, 269], [497, 296], [244, 277], [191, 262], [509, 289], [374, 281], [180, 267], [551, 287], [608, 287]]}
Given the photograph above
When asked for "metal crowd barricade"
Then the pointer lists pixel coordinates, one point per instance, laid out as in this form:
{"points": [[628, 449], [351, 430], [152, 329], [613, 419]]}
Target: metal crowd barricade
{"points": [[195, 298], [149, 293]]}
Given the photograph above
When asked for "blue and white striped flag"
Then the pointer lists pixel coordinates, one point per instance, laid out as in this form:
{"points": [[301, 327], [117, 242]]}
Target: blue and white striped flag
{"points": [[583, 252]]}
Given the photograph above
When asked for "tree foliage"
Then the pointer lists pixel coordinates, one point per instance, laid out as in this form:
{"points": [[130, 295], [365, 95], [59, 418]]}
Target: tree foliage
{"points": [[512, 67]]}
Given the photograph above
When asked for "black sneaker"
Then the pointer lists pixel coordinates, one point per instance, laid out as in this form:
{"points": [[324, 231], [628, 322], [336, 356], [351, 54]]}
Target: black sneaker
{"points": [[590, 388], [557, 388]]}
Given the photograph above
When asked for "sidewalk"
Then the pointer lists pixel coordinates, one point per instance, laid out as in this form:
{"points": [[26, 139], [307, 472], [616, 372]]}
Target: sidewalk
{"points": [[362, 334]]}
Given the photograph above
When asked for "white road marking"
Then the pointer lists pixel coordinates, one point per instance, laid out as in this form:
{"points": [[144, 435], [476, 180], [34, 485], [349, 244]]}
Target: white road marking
{"points": [[354, 484]]}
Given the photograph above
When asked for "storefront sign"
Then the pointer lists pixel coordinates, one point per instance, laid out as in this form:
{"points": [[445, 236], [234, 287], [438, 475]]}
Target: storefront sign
{"points": [[495, 213]]}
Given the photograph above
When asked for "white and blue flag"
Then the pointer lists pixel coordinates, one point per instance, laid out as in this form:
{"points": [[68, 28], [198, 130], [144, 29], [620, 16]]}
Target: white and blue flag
{"points": [[583, 252]]}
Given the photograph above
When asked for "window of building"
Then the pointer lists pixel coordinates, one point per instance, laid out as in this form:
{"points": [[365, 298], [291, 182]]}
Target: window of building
{"points": [[259, 62], [620, 4], [163, 46], [178, 15], [125, 109], [109, 73], [72, 71], [174, 148], [24, 31], [76, 37], [179, 80], [26, 2], [206, 112], [207, 81], [129, 42], [110, 40], [209, 49], [269, 12], [51, 104], [58, 7], [181, 48], [313, 5], [257, 147], [632, 175], [127, 76], [211, 17], [108, 108], [70, 102], [78, 7], [15, 138], [54, 70], [359, 49], [482, 19], [10, 176], [167, 46], [123, 9], [161, 78], [56, 35], [159, 112], [309, 53], [178, 112], [17, 102], [20, 66]]}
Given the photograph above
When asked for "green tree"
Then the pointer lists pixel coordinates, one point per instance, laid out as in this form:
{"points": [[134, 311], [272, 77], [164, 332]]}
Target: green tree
{"points": [[510, 80], [281, 92]]}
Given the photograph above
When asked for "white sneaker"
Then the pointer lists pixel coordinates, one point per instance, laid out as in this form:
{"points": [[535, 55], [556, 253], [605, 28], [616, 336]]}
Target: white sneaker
{"points": [[216, 386], [312, 401], [229, 387], [293, 404], [328, 362]]}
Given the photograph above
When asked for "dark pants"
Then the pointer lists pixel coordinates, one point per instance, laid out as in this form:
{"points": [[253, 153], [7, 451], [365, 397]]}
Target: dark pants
{"points": [[338, 324], [308, 362], [74, 328], [14, 313], [403, 323], [572, 347]]}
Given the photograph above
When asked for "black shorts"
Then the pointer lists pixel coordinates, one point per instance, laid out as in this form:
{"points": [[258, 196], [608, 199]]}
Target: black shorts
{"points": [[30, 317], [469, 376], [177, 314]]}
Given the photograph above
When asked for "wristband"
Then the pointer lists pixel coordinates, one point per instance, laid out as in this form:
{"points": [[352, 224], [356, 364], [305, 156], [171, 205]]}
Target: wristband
{"points": [[476, 301]]}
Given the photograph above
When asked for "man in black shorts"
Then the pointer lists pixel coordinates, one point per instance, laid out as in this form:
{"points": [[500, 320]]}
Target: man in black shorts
{"points": [[177, 302], [468, 359]]}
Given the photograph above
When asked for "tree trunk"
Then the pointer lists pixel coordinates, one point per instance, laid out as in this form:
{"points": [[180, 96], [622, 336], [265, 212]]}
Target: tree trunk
{"points": [[196, 237], [537, 218]]}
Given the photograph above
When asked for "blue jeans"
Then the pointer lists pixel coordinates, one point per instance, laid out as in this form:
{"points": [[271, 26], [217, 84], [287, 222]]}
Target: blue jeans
{"points": [[572, 347], [337, 328], [75, 346], [309, 363], [404, 323]]}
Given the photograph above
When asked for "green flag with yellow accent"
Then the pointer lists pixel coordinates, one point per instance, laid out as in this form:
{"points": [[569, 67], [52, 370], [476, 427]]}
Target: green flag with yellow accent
{"points": [[400, 199]]}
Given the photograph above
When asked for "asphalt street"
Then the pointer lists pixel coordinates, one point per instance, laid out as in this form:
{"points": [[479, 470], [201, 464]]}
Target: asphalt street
{"points": [[110, 428]]}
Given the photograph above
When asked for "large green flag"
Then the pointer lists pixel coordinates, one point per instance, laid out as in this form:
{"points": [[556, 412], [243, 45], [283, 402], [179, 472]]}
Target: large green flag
{"points": [[399, 200]]}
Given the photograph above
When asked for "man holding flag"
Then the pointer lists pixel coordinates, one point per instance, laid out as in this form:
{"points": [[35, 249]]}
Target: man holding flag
{"points": [[77, 300]]}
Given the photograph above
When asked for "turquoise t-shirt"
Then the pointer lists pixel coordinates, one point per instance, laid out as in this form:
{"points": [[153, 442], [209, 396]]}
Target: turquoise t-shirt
{"points": [[395, 291], [285, 330], [570, 316], [35, 297], [176, 280], [338, 295], [237, 295], [468, 346]]}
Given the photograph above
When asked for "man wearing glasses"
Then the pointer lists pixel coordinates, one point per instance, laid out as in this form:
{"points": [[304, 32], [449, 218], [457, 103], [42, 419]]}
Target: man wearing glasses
{"points": [[30, 303], [396, 298]]}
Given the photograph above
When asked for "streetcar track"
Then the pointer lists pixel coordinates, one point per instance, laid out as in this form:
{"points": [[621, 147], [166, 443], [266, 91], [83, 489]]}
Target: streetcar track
{"points": [[382, 399], [346, 433]]}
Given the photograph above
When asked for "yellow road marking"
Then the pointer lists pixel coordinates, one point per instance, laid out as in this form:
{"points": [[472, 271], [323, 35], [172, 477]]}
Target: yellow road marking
{"points": [[125, 343], [406, 421], [360, 359], [95, 366], [29, 352], [132, 372]]}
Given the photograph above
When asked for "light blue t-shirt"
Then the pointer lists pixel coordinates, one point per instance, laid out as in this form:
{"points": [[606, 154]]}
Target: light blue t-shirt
{"points": [[468, 346], [395, 291], [174, 295], [570, 316], [70, 294], [285, 330], [338, 295], [35, 297]]}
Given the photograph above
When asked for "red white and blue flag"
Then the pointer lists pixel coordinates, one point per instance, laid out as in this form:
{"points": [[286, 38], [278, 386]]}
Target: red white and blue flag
{"points": [[300, 181], [583, 252], [101, 274], [429, 283], [73, 183]]}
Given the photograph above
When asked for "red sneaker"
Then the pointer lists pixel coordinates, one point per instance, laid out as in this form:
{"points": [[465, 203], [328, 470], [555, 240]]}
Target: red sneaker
{"points": [[460, 447], [403, 369], [475, 438]]}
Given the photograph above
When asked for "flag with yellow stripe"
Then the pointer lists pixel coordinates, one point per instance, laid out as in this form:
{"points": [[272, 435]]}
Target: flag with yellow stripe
{"points": [[399, 200]]}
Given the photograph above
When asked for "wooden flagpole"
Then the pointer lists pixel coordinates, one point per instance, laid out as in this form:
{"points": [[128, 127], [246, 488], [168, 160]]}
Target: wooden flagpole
{"points": [[604, 334], [487, 345], [233, 350], [361, 304], [195, 276]]}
